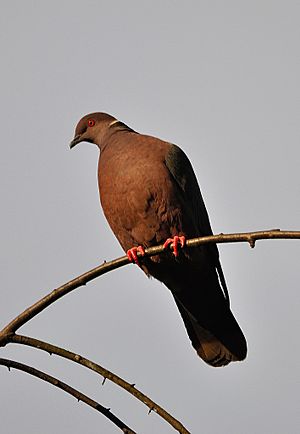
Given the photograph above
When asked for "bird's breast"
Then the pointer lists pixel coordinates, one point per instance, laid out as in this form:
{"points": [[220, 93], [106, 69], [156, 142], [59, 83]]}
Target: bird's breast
{"points": [[138, 197]]}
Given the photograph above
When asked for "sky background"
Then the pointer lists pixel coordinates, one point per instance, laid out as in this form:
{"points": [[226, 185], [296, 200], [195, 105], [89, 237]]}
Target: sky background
{"points": [[220, 79]]}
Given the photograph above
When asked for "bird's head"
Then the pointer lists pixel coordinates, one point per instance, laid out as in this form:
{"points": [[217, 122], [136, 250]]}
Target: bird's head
{"points": [[92, 128]]}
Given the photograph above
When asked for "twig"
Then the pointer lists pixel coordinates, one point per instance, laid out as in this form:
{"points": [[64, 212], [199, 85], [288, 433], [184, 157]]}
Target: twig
{"points": [[68, 389], [52, 349], [249, 237], [83, 279]]}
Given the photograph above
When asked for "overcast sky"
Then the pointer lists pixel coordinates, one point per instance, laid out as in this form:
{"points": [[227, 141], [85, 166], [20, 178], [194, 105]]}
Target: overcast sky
{"points": [[220, 79]]}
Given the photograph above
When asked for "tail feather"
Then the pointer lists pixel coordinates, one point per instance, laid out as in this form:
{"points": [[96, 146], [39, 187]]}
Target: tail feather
{"points": [[204, 307], [208, 346]]}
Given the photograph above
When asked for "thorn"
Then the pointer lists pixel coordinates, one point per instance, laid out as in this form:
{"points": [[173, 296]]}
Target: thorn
{"points": [[150, 409], [78, 399], [8, 368], [132, 385], [252, 243], [50, 353], [104, 262], [103, 381]]}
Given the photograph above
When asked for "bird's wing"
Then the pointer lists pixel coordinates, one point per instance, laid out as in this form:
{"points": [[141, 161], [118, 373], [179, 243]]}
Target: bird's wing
{"points": [[182, 171]]}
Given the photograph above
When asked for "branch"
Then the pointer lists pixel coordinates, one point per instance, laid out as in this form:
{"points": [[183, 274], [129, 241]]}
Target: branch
{"points": [[249, 237], [68, 389], [52, 349], [8, 333], [83, 279]]}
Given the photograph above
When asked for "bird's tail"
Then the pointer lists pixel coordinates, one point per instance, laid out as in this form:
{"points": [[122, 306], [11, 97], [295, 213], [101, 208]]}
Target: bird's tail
{"points": [[210, 324], [215, 348], [204, 307]]}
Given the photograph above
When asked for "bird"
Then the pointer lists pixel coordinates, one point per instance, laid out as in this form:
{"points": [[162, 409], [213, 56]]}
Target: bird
{"points": [[150, 195]]}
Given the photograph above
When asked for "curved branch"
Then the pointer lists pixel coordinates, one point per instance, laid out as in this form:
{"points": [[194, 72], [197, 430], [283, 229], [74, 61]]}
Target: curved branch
{"points": [[68, 389], [8, 333], [83, 279], [52, 349]]}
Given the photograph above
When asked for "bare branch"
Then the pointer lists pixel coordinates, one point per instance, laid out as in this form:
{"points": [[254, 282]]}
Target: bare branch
{"points": [[83, 279], [249, 237], [68, 389], [8, 333], [52, 349]]}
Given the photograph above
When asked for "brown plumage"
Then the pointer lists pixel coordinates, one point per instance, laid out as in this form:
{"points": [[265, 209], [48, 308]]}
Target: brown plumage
{"points": [[149, 192]]}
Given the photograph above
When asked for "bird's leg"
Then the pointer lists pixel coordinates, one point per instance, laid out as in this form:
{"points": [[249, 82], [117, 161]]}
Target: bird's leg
{"points": [[174, 243], [132, 254]]}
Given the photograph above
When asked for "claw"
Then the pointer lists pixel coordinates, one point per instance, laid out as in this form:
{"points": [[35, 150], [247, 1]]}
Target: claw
{"points": [[132, 254], [174, 243]]}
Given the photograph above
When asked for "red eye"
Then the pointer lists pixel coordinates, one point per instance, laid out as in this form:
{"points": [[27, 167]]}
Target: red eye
{"points": [[91, 122]]}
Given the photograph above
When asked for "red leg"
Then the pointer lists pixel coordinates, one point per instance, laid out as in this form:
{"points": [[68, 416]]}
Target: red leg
{"points": [[174, 243], [132, 254]]}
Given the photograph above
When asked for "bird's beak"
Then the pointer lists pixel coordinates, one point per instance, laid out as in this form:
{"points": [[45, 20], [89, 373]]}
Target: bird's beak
{"points": [[77, 139]]}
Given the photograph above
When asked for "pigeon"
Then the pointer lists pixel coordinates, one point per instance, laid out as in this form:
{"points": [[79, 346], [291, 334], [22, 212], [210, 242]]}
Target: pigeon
{"points": [[150, 195]]}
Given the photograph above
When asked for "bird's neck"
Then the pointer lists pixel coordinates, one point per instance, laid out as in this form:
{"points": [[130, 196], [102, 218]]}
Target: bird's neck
{"points": [[120, 126], [117, 127]]}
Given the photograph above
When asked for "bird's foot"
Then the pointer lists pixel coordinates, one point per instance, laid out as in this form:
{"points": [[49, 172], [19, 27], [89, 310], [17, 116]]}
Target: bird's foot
{"points": [[174, 242], [132, 254]]}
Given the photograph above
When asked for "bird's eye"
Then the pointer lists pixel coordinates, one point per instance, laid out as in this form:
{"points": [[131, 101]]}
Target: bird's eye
{"points": [[91, 122]]}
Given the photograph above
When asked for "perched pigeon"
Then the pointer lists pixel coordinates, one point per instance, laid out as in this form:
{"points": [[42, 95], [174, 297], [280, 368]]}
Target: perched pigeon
{"points": [[150, 195]]}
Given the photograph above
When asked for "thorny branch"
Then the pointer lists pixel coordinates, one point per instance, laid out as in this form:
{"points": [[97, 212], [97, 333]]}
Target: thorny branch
{"points": [[52, 349], [74, 392], [83, 279], [7, 335]]}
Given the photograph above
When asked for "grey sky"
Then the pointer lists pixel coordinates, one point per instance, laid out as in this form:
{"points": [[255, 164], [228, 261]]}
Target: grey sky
{"points": [[221, 79]]}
